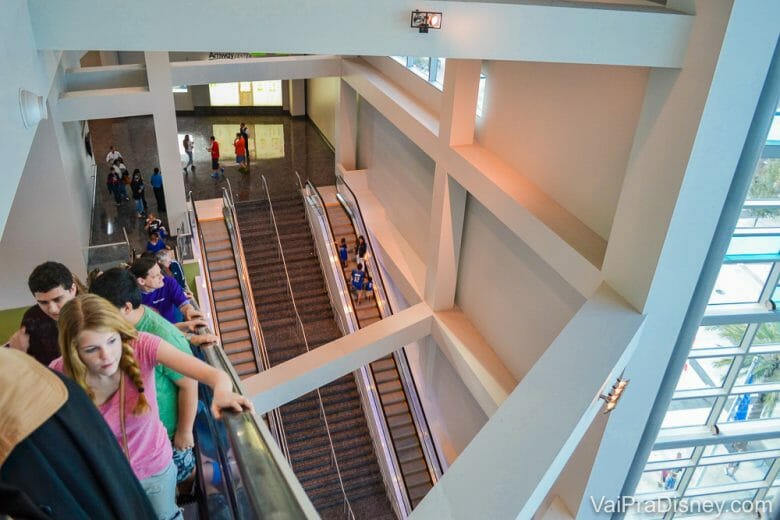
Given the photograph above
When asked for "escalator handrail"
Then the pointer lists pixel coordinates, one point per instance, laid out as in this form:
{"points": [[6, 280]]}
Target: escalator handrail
{"points": [[276, 424], [418, 413], [395, 477], [306, 344], [267, 489], [243, 426]]}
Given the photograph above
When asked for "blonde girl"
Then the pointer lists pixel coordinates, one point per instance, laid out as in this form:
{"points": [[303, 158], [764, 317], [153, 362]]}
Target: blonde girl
{"points": [[115, 364]]}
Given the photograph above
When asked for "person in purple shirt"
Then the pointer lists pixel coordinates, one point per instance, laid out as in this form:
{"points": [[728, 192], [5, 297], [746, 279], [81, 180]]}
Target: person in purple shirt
{"points": [[162, 293]]}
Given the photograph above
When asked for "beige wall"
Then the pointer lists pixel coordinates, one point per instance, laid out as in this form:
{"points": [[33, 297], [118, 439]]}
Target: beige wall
{"points": [[567, 128], [515, 300], [399, 174], [322, 95]]}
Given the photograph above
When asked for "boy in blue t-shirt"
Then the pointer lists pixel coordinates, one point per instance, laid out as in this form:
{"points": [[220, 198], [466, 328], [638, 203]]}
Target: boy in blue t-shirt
{"points": [[343, 253], [367, 290], [357, 278]]}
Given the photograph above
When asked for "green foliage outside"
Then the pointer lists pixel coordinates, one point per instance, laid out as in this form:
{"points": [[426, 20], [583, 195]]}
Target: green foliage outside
{"points": [[765, 185], [766, 369]]}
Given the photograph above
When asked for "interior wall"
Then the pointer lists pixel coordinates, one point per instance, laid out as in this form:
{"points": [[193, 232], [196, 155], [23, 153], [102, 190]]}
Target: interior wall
{"points": [[23, 68], [454, 416], [399, 174], [514, 299], [322, 97], [47, 217], [568, 128]]}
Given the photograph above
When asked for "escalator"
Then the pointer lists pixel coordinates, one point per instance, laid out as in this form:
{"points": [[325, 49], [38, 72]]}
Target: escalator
{"points": [[393, 395], [231, 316], [331, 453]]}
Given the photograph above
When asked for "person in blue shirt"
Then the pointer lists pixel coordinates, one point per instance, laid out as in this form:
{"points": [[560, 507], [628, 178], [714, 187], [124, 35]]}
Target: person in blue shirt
{"points": [[368, 289], [157, 184], [357, 278], [155, 243], [343, 253]]}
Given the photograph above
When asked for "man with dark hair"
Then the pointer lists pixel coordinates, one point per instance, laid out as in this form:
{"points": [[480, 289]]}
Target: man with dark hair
{"points": [[162, 293], [52, 285], [177, 396]]}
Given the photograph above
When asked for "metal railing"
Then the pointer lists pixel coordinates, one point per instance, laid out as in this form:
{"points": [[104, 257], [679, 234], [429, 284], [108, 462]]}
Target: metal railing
{"points": [[275, 422], [270, 488], [341, 301], [105, 256], [435, 460], [299, 323]]}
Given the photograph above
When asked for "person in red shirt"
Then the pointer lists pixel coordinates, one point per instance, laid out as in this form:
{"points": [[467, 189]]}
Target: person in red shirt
{"points": [[214, 150], [240, 146]]}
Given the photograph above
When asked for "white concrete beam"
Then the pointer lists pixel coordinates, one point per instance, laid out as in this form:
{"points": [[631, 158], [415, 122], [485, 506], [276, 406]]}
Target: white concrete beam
{"points": [[283, 383], [158, 70], [105, 103], [510, 466], [254, 69], [398, 106], [481, 370], [564, 33], [448, 205], [558, 237]]}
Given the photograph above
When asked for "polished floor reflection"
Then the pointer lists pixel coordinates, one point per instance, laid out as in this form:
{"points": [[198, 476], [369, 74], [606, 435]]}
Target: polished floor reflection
{"points": [[279, 146]]}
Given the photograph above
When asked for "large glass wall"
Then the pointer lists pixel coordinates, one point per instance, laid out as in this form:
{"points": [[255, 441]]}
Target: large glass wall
{"points": [[719, 443]]}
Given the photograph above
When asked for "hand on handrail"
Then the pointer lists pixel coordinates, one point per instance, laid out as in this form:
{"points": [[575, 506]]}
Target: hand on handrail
{"points": [[192, 325], [204, 340]]}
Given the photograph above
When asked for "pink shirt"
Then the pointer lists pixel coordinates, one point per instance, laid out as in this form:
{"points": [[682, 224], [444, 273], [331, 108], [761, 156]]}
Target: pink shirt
{"points": [[147, 440]]}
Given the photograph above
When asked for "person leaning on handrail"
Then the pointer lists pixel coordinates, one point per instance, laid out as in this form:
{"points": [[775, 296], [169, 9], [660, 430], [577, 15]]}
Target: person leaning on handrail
{"points": [[58, 458]]}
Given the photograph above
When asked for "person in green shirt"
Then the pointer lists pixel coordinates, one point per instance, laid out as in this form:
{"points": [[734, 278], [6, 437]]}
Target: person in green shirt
{"points": [[177, 396]]}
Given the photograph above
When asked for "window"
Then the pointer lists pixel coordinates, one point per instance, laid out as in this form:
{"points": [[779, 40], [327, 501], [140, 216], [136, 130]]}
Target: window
{"points": [[732, 374], [246, 93], [432, 71]]}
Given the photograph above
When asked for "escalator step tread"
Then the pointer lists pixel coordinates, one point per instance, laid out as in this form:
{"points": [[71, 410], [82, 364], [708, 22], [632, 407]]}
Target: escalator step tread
{"points": [[418, 478], [408, 454], [389, 398], [233, 325], [384, 376], [384, 363]]}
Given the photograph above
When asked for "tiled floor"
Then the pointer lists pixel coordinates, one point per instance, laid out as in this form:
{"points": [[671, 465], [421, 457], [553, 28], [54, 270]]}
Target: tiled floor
{"points": [[304, 150]]}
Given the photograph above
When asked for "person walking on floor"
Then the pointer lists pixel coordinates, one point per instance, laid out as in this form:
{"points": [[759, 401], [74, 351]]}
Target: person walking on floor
{"points": [[244, 131], [137, 187], [188, 145], [157, 185], [240, 148], [113, 183], [113, 155], [214, 151]]}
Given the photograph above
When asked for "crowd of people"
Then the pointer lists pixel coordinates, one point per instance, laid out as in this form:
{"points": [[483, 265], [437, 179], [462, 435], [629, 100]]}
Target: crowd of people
{"points": [[120, 404], [361, 283]]}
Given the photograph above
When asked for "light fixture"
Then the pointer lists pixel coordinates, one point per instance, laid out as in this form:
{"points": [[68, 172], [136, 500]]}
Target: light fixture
{"points": [[613, 396], [424, 20], [33, 108]]}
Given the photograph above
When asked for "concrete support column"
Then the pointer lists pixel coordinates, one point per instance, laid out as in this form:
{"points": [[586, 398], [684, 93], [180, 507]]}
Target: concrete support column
{"points": [[674, 193], [448, 206], [297, 97], [158, 70], [346, 127]]}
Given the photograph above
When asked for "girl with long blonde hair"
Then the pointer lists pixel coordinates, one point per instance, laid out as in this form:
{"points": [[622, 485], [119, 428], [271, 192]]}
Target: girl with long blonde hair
{"points": [[115, 364]]}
